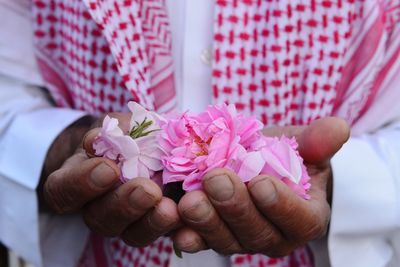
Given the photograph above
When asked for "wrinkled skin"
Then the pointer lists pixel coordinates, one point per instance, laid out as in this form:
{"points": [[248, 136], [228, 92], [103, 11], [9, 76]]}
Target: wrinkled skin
{"points": [[264, 216]]}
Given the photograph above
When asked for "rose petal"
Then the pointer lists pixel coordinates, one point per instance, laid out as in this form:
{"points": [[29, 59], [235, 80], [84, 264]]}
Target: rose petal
{"points": [[251, 166], [278, 164]]}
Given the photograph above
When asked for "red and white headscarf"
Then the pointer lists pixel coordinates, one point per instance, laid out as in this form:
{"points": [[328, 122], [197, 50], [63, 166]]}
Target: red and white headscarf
{"points": [[287, 62]]}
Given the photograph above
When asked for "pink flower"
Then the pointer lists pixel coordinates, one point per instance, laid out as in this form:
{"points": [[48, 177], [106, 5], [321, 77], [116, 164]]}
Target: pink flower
{"points": [[139, 156], [110, 140], [187, 146], [283, 161], [219, 137], [198, 144]]}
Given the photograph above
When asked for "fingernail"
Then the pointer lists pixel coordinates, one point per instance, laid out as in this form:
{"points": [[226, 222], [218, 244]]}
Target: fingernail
{"points": [[103, 176], [141, 199], [264, 192], [84, 140], [198, 212], [219, 187], [88, 147]]}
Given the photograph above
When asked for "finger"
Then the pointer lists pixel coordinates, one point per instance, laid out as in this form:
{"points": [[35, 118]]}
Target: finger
{"points": [[159, 221], [78, 181], [298, 219], [322, 139], [229, 196], [112, 213], [88, 140], [197, 212], [187, 240], [319, 141]]}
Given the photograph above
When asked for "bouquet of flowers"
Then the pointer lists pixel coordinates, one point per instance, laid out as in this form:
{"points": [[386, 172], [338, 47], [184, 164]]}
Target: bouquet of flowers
{"points": [[186, 146]]}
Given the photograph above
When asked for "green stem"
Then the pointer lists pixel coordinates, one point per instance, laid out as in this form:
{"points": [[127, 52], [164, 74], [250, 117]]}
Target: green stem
{"points": [[140, 129]]}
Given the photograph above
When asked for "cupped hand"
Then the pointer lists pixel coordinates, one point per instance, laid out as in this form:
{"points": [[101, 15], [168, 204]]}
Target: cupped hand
{"points": [[135, 211], [265, 216]]}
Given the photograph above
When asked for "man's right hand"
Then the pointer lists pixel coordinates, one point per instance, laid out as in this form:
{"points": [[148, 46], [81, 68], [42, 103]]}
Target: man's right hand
{"points": [[135, 211]]}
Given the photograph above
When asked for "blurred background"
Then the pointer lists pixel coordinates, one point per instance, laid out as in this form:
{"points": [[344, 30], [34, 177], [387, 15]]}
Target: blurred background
{"points": [[10, 259]]}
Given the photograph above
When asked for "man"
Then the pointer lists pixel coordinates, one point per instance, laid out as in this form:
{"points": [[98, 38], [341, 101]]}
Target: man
{"points": [[311, 90]]}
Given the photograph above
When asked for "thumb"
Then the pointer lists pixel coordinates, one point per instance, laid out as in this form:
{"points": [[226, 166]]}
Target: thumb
{"points": [[322, 139], [88, 140]]}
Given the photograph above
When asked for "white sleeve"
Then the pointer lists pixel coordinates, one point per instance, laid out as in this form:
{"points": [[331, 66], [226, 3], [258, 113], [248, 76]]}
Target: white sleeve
{"points": [[365, 223], [28, 126]]}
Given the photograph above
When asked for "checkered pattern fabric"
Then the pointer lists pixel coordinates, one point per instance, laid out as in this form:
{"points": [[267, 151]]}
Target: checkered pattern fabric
{"points": [[287, 62]]}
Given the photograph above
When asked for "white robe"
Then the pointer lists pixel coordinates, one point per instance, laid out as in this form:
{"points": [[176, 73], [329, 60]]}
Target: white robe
{"points": [[364, 228]]}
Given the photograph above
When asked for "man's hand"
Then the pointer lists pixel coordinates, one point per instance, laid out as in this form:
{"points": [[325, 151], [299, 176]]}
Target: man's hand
{"points": [[136, 211], [265, 216]]}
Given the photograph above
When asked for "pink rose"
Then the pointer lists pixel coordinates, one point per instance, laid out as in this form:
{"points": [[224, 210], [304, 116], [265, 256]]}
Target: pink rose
{"points": [[137, 153], [187, 146], [196, 144], [283, 161], [219, 137]]}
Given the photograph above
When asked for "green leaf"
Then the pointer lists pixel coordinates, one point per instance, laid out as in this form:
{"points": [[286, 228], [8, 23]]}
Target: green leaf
{"points": [[178, 252]]}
